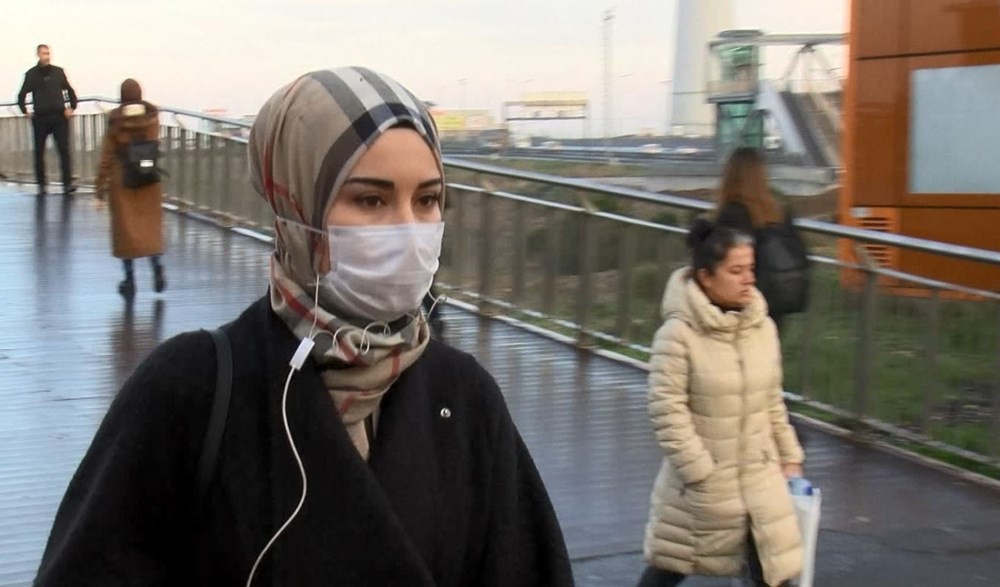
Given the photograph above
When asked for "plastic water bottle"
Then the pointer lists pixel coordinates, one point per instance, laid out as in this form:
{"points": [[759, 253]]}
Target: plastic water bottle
{"points": [[800, 486]]}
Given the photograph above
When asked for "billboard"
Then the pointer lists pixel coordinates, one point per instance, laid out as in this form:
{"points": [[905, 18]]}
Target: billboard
{"points": [[462, 120], [548, 106]]}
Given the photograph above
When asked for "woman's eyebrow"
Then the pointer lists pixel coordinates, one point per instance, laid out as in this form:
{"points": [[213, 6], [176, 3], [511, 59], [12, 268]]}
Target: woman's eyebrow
{"points": [[389, 184], [382, 183]]}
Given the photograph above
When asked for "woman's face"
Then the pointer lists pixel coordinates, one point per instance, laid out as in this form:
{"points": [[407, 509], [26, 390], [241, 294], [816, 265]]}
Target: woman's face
{"points": [[731, 286], [397, 181]]}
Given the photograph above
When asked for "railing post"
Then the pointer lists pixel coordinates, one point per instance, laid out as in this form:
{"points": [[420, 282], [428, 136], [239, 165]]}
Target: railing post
{"points": [[196, 174], [14, 161], [805, 346], [226, 197], [97, 125], [460, 233], [488, 228], [90, 146], [169, 159], [24, 164], [77, 148], [212, 181], [101, 125], [866, 334], [6, 136], [10, 139], [10, 134], [182, 167], [553, 232], [520, 255], [663, 264], [626, 259], [931, 376], [6, 143], [72, 125], [585, 285], [995, 432]]}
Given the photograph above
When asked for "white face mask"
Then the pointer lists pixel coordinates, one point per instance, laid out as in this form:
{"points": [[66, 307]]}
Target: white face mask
{"points": [[382, 272]]}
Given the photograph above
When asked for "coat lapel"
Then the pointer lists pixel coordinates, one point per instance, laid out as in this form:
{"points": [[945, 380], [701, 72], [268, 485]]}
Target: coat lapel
{"points": [[403, 460], [348, 531]]}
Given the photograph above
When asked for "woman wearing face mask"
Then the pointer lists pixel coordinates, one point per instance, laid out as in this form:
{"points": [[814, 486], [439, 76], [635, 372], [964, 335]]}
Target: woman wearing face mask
{"points": [[405, 469], [720, 502]]}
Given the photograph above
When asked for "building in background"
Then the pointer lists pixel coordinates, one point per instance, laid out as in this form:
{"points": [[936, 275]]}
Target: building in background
{"points": [[922, 132], [698, 22]]}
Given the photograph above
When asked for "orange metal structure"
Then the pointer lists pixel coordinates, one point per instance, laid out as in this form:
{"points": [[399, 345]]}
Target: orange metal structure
{"points": [[891, 40]]}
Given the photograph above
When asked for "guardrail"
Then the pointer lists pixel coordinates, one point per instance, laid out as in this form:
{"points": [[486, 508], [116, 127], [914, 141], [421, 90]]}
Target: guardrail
{"points": [[590, 260]]}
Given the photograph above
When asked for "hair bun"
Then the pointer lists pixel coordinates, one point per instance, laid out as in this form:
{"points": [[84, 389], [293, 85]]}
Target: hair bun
{"points": [[700, 231]]}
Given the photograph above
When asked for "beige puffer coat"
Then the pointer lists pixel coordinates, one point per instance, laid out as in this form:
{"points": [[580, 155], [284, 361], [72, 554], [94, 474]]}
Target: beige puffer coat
{"points": [[718, 414]]}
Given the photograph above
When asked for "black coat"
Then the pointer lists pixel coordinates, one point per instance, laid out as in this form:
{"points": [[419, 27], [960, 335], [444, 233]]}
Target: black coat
{"points": [[46, 84], [443, 501]]}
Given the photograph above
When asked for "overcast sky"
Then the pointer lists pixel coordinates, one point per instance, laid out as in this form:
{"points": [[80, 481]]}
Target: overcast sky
{"points": [[233, 54]]}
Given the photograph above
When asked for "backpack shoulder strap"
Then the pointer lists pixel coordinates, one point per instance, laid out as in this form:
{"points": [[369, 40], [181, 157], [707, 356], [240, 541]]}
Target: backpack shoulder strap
{"points": [[220, 412], [789, 215]]}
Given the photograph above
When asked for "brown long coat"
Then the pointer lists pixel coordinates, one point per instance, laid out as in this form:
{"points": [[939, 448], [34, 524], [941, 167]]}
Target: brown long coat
{"points": [[136, 214], [717, 410]]}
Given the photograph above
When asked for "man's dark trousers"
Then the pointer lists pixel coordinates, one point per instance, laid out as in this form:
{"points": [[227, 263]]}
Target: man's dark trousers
{"points": [[57, 125]]}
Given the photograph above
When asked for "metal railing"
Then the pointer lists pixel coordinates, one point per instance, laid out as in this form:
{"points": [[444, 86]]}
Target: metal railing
{"points": [[590, 261]]}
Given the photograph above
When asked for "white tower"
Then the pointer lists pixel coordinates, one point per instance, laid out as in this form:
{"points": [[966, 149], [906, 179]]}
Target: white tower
{"points": [[698, 22]]}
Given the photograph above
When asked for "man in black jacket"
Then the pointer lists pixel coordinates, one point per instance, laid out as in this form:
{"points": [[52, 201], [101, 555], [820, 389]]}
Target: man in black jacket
{"points": [[49, 91]]}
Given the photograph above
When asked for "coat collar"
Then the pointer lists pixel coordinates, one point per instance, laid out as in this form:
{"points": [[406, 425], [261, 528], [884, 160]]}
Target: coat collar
{"points": [[685, 300], [347, 497]]}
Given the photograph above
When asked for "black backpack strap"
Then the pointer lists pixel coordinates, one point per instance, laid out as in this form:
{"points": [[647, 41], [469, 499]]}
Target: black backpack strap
{"points": [[220, 412], [789, 215]]}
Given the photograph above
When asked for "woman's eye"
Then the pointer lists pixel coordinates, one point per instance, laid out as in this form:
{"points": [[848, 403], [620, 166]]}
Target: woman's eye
{"points": [[370, 201], [430, 200]]}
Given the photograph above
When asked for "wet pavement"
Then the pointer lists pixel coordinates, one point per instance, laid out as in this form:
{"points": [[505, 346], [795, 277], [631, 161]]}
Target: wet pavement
{"points": [[67, 342]]}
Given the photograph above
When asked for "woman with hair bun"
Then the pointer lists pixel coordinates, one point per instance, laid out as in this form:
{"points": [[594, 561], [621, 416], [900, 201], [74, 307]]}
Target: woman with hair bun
{"points": [[720, 501]]}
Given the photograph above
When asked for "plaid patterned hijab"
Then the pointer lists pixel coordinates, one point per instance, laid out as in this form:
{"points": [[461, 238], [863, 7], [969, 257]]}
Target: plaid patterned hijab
{"points": [[303, 144]]}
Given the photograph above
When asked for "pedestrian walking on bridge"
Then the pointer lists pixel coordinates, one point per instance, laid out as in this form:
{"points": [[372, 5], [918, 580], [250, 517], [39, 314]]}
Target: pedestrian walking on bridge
{"points": [[135, 202], [720, 503]]}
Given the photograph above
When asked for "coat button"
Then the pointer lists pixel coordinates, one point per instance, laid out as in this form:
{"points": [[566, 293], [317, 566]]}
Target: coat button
{"points": [[445, 413]]}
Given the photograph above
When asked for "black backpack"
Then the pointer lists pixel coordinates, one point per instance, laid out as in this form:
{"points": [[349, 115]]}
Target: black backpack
{"points": [[140, 162], [782, 268]]}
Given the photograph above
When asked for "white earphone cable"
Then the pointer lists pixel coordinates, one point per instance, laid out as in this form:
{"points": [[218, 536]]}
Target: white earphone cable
{"points": [[302, 472], [296, 363], [437, 300]]}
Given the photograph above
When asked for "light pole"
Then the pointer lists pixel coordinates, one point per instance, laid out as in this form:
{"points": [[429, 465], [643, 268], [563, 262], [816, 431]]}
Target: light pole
{"points": [[623, 107], [667, 84], [609, 19]]}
